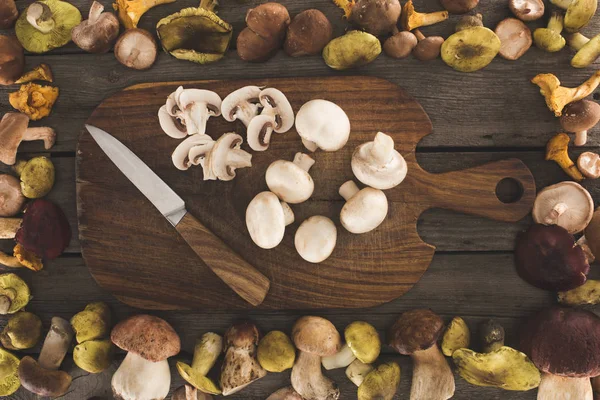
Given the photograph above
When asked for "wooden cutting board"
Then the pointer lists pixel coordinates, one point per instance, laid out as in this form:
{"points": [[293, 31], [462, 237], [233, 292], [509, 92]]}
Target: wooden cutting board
{"points": [[134, 253]]}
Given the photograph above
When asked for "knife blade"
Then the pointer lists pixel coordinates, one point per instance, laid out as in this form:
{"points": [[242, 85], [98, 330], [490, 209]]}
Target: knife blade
{"points": [[238, 274]]}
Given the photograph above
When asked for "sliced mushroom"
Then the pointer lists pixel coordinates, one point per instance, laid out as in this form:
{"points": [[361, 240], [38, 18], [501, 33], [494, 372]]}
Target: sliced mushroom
{"points": [[315, 239], [515, 38], [566, 204], [579, 117], [198, 105], [242, 104], [224, 158], [266, 219], [378, 164], [527, 10], [322, 125], [277, 116], [589, 164], [136, 48], [193, 151], [290, 181], [364, 210]]}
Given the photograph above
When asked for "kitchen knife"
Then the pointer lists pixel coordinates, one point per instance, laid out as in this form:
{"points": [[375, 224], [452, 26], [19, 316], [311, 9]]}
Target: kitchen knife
{"points": [[239, 275]]}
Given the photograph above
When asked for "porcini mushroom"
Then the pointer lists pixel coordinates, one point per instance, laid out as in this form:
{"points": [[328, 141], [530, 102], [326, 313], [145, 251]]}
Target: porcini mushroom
{"points": [[557, 150], [43, 376], [456, 336], [548, 258], [92, 323], [381, 383], [378, 164], [515, 38], [557, 97], [225, 157], [11, 198], [351, 50], [427, 48], [579, 12], [240, 366], [46, 25], [566, 204], [36, 175], [136, 49], [241, 104], [322, 125], [589, 164], [94, 356], [144, 373], [22, 331], [400, 45], [364, 210], [314, 337], [527, 10], [579, 117], [8, 16], [12, 60], [315, 238], [198, 105], [362, 343], [206, 352], [265, 32], [14, 294], [459, 6], [130, 11], [193, 151], [470, 49], [588, 50], [285, 393], [266, 219], [549, 39], [415, 333], [98, 33], [276, 352], [290, 181], [308, 33], [563, 343], [412, 19], [277, 116], [9, 370]]}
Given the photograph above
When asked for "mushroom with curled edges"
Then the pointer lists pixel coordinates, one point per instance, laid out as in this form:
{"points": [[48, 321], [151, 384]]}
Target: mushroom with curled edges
{"points": [[40, 73], [378, 164], [400, 45], [240, 366], [14, 129], [12, 59], [579, 12], [9, 370], [557, 96], [266, 219], [412, 19], [579, 117], [144, 373], [136, 49], [314, 337], [364, 210], [515, 38], [11, 197], [548, 258], [566, 204], [527, 10], [130, 11], [589, 164], [14, 294], [323, 125], [22, 331], [362, 343], [290, 181], [193, 151], [98, 33], [415, 333], [564, 343], [198, 105], [43, 376], [224, 158], [242, 104], [277, 116], [206, 352], [557, 150], [315, 238]]}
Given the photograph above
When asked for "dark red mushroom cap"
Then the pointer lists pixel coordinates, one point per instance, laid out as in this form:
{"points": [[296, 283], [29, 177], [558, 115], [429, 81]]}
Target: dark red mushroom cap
{"points": [[563, 341], [45, 230], [415, 330], [548, 258]]}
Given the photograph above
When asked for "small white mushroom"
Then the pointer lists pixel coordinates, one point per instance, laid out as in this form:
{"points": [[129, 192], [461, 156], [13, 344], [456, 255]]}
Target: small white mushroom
{"points": [[242, 104], [198, 106], [566, 204], [225, 157], [378, 164], [172, 126], [192, 151], [322, 125], [364, 210], [266, 219], [277, 116], [316, 238], [290, 181]]}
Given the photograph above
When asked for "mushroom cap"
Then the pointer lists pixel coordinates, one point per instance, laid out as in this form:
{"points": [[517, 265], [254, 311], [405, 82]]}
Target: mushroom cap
{"points": [[377, 17], [37, 177], [353, 49], [363, 340], [365, 211], [456, 336], [308, 34], [23, 331], [276, 352], [381, 383], [12, 128], [97, 33], [265, 220], [527, 10], [12, 59], [15, 288], [563, 341], [580, 116], [136, 49], [10, 369], [92, 323], [547, 257], [566, 204], [253, 48], [242, 335], [150, 337], [316, 335], [11, 198], [8, 15], [323, 123], [241, 104], [94, 356], [373, 173], [400, 45], [515, 38], [429, 48], [579, 13], [289, 181], [470, 49], [459, 6], [268, 20], [315, 238], [548, 40], [41, 381], [415, 330]]}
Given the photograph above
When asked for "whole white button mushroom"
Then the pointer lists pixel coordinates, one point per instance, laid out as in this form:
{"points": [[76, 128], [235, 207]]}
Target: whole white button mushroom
{"points": [[316, 238], [378, 164], [266, 219], [322, 125], [290, 181], [277, 116], [364, 210]]}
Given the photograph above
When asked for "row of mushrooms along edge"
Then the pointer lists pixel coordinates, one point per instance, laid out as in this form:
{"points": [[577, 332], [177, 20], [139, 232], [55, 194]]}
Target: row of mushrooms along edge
{"points": [[320, 123]]}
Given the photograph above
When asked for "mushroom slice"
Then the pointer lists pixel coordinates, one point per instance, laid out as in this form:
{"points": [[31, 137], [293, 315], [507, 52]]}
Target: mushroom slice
{"points": [[198, 106], [277, 116], [412, 19], [589, 164], [290, 181], [193, 151], [171, 125], [579, 12], [225, 157], [579, 117], [557, 97], [527, 10], [266, 219], [566, 204], [315, 239], [242, 104], [322, 125], [11, 197], [136, 49], [470, 49], [378, 164], [364, 210], [515, 38]]}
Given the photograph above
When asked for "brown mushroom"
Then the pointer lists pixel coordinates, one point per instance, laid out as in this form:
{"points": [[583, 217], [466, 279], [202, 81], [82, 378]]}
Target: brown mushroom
{"points": [[14, 130], [527, 10], [459, 6], [566, 204], [11, 198], [515, 38], [265, 32], [589, 164], [400, 45], [307, 34], [377, 17], [12, 60], [98, 32], [8, 14], [579, 117], [136, 49], [428, 48], [469, 21]]}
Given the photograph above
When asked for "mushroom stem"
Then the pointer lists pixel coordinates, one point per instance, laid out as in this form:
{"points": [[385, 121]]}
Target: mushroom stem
{"points": [[357, 371], [142, 379], [9, 227], [48, 135], [582, 242], [206, 352], [383, 147], [342, 359], [556, 22], [95, 11], [419, 35], [308, 379], [133, 55], [432, 377], [348, 190], [554, 387], [288, 214], [433, 18], [311, 146], [304, 161], [56, 345], [238, 158], [39, 16], [9, 261], [576, 40], [558, 210], [580, 138]]}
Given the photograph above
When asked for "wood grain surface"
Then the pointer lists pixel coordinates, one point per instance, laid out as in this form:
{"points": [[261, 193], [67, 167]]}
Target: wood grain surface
{"points": [[370, 269]]}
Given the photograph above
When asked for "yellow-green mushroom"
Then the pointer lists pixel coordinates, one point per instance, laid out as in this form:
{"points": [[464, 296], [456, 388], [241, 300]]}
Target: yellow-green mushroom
{"points": [[206, 352], [381, 383], [94, 356], [457, 336], [23, 331], [579, 12], [362, 342], [91, 323], [352, 50], [9, 373], [470, 49], [14, 294], [276, 352], [37, 176], [549, 39]]}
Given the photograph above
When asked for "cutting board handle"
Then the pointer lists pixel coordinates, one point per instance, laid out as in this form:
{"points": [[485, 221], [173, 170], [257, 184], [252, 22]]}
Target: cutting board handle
{"points": [[473, 190]]}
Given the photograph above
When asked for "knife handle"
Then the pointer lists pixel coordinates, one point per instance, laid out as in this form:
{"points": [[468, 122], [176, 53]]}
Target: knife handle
{"points": [[239, 275]]}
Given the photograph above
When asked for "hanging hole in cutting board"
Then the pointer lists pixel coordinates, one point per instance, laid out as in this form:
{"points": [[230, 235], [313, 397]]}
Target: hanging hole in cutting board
{"points": [[509, 190]]}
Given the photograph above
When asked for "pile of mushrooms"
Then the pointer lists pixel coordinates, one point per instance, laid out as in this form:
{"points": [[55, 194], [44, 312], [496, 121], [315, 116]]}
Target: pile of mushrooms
{"points": [[94, 350]]}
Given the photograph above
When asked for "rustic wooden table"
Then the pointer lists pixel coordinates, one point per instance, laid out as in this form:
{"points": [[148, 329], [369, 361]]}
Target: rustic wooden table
{"points": [[492, 114]]}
